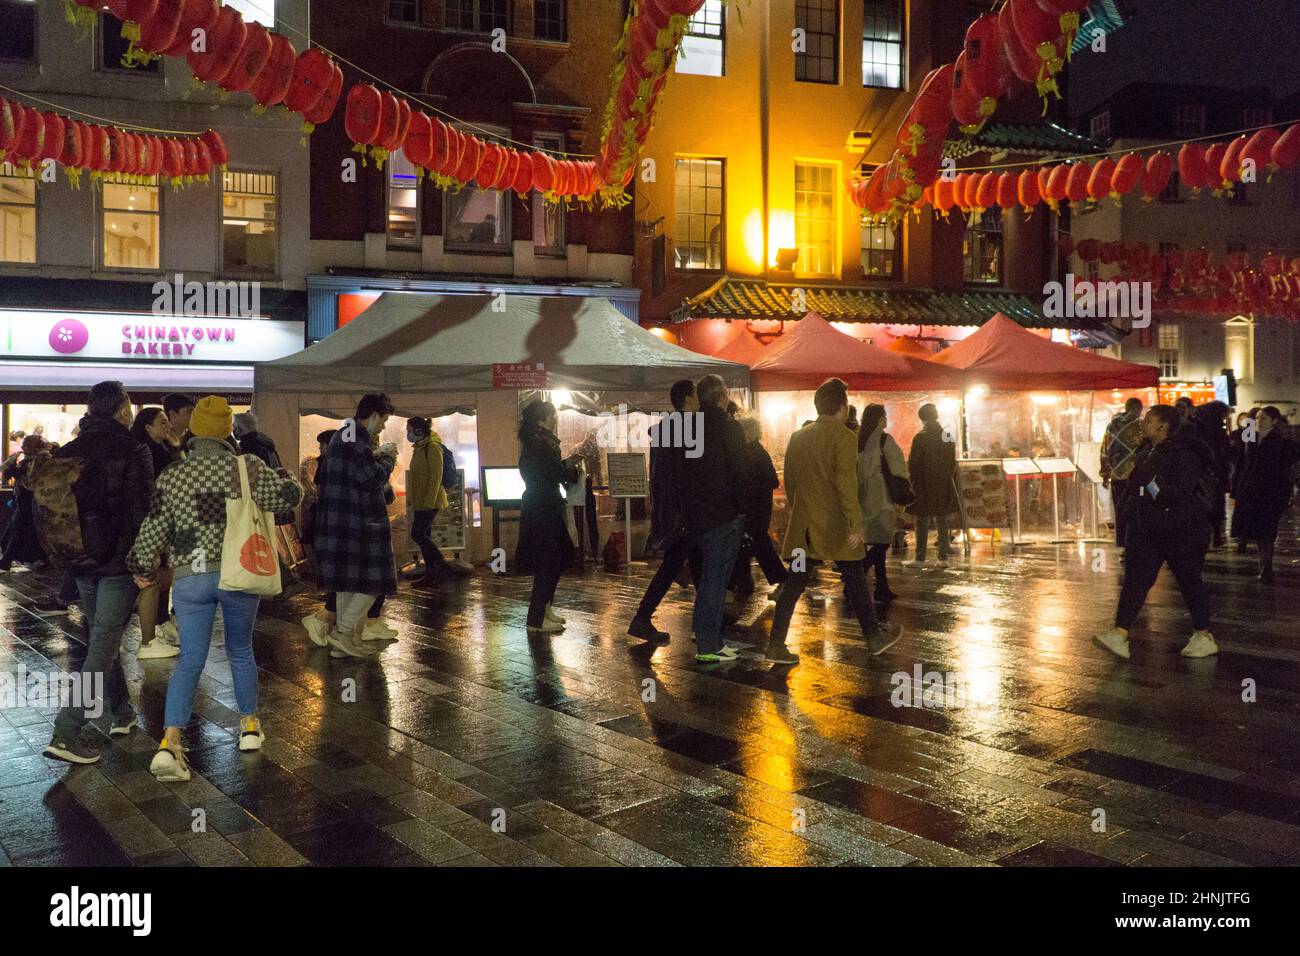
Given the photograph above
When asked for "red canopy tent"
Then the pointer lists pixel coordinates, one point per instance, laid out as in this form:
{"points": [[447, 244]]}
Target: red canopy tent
{"points": [[1004, 356], [909, 346], [742, 347], [813, 351]]}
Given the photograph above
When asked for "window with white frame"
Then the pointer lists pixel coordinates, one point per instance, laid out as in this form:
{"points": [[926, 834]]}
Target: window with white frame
{"points": [[882, 247], [704, 47], [550, 20], [548, 218], [17, 216], [17, 30], [403, 11], [982, 249], [474, 219], [250, 234], [1189, 120], [882, 44], [130, 219], [1100, 127], [1170, 344], [403, 203], [263, 11], [699, 206], [477, 16], [815, 220], [818, 60]]}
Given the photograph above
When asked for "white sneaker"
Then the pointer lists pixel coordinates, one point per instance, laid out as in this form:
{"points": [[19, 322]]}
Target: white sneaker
{"points": [[914, 564], [251, 734], [377, 630], [548, 627], [1115, 641], [316, 630], [941, 563], [553, 618], [157, 649], [168, 631], [1201, 645], [168, 766]]}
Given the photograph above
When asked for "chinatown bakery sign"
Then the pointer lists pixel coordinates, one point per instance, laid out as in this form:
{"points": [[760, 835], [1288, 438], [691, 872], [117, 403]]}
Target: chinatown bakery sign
{"points": [[142, 337]]}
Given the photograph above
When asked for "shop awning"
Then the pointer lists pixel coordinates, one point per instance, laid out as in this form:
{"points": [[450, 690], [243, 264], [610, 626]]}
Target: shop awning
{"points": [[1003, 356], [733, 297], [813, 351]]}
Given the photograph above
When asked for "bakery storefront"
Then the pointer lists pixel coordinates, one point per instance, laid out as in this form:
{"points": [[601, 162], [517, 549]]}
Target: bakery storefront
{"points": [[50, 358]]}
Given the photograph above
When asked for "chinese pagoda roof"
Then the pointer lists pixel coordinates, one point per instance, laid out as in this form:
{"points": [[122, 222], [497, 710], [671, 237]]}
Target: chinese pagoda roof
{"points": [[1038, 139]]}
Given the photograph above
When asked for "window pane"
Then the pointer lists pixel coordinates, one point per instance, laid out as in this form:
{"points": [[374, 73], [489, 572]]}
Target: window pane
{"points": [[17, 216], [700, 215], [113, 46], [814, 219], [263, 11], [249, 231], [819, 19], [404, 11], [403, 201], [703, 46], [549, 20], [982, 249], [17, 30]]}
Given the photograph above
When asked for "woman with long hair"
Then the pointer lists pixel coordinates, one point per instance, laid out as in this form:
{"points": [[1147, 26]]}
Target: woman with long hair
{"points": [[876, 449], [545, 548], [152, 429]]}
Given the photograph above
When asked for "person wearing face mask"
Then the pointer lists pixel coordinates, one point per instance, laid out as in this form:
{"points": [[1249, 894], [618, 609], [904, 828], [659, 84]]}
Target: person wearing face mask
{"points": [[1265, 491], [1170, 508]]}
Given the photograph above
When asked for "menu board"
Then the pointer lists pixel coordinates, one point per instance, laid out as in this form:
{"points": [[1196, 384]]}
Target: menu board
{"points": [[448, 532], [982, 492], [627, 475], [1019, 466]]}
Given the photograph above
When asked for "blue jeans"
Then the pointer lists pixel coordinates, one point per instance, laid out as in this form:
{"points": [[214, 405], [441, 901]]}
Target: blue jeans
{"points": [[195, 600], [923, 532], [719, 547], [106, 604]]}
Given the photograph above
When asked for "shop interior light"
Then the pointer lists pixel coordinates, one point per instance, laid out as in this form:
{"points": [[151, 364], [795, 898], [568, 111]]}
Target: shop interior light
{"points": [[1045, 399], [977, 391], [560, 397]]}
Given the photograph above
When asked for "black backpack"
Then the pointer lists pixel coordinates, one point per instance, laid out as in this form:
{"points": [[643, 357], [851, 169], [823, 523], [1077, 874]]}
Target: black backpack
{"points": [[450, 476]]}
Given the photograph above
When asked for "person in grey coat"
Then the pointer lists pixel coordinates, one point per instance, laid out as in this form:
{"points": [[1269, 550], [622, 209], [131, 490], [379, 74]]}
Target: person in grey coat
{"points": [[932, 465], [879, 511]]}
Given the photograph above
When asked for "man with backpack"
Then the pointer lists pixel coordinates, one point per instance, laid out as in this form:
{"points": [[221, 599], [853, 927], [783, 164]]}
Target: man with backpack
{"points": [[91, 499], [433, 471]]}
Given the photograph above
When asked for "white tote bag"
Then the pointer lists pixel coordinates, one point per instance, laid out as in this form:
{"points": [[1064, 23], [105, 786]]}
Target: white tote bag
{"points": [[248, 559]]}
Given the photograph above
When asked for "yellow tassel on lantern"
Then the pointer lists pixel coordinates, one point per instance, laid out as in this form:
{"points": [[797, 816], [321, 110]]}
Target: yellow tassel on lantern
{"points": [[1070, 28]]}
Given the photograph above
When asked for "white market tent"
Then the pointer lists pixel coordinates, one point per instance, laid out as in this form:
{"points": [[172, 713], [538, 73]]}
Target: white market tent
{"points": [[433, 354]]}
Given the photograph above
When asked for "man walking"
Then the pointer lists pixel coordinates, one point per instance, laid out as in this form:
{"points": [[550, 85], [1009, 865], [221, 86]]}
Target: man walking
{"points": [[667, 522], [932, 463], [712, 519], [113, 491], [821, 486], [1118, 454], [354, 547], [179, 408], [426, 496]]}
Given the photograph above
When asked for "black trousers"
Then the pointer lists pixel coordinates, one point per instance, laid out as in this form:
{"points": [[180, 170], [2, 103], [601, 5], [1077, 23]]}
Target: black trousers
{"points": [[759, 547], [1185, 555], [855, 588], [545, 581], [876, 559], [1119, 499], [434, 563], [332, 599], [678, 552]]}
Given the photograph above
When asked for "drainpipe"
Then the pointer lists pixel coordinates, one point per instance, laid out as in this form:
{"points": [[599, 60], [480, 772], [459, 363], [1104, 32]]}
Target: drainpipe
{"points": [[764, 136]]}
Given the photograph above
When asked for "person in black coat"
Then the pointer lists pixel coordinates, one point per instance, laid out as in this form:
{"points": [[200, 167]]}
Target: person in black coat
{"points": [[1244, 439], [20, 541], [545, 548], [1169, 510], [932, 464], [1210, 424], [758, 481], [1266, 488]]}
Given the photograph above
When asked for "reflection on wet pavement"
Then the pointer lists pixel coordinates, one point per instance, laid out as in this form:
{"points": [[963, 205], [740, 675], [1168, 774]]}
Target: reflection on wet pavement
{"points": [[469, 743]]}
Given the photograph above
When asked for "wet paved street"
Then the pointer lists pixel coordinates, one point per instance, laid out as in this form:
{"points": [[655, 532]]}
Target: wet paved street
{"points": [[591, 748]]}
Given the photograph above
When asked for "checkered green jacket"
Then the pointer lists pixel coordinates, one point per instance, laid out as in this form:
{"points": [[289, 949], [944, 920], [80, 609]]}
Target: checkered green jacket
{"points": [[188, 514]]}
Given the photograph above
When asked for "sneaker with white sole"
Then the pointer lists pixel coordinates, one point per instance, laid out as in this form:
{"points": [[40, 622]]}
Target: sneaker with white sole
{"points": [[70, 751], [168, 631], [377, 630], [547, 627], [724, 653], [1201, 645], [554, 618], [317, 630], [919, 565], [348, 644], [1115, 641], [156, 650], [168, 766], [251, 734], [123, 728]]}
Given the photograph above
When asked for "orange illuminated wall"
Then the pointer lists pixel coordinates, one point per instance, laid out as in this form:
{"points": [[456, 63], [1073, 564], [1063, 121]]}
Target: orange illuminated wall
{"points": [[352, 304]]}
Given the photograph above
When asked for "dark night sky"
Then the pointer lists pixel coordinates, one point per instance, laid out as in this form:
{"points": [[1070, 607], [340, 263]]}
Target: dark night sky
{"points": [[1230, 43]]}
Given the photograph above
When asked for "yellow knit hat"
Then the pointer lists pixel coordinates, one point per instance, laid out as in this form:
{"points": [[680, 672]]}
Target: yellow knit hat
{"points": [[212, 418]]}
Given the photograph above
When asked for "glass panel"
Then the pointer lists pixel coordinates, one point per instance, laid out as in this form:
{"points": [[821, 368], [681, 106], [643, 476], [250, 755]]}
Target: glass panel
{"points": [[819, 19], [700, 213], [131, 226], [263, 11], [248, 223], [814, 226], [403, 201], [17, 30], [549, 20], [17, 216]]}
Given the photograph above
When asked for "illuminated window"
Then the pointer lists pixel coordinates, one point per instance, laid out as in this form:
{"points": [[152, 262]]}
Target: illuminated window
{"points": [[982, 249], [882, 43], [113, 47], [882, 247], [403, 202], [263, 11], [477, 16], [815, 198], [249, 230], [548, 218], [477, 220], [819, 62], [131, 217], [17, 30], [549, 20], [403, 11], [700, 219], [703, 50], [1170, 342], [17, 216]]}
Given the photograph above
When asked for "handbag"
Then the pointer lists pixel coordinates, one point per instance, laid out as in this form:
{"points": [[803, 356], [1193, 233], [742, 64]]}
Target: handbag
{"points": [[898, 489], [248, 557]]}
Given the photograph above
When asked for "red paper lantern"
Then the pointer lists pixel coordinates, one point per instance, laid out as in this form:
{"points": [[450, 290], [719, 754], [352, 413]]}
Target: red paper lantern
{"points": [[224, 41], [418, 145], [361, 116], [471, 159], [1127, 173], [1230, 165], [1155, 177], [987, 68], [543, 172], [216, 148], [324, 108], [128, 11], [1057, 186], [71, 154], [1099, 180], [1024, 63], [158, 32], [925, 127], [252, 59], [1076, 181], [195, 15], [311, 77], [1069, 14], [944, 196], [1007, 194], [173, 160], [1065, 245], [489, 166], [32, 140], [1192, 168], [1089, 250], [1259, 150], [1040, 33], [204, 158], [1286, 151], [273, 82], [1214, 162], [1027, 190], [53, 144], [11, 125], [524, 175], [986, 194], [964, 101]]}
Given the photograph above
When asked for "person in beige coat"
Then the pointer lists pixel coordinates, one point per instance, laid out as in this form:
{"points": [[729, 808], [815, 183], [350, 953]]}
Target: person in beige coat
{"points": [[821, 485], [879, 511]]}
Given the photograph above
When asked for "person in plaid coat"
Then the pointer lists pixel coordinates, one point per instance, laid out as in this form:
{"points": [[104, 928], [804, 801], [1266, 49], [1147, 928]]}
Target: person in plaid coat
{"points": [[354, 547]]}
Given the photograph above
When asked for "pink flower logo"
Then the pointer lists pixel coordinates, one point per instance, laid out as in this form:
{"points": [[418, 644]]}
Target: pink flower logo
{"points": [[69, 336]]}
